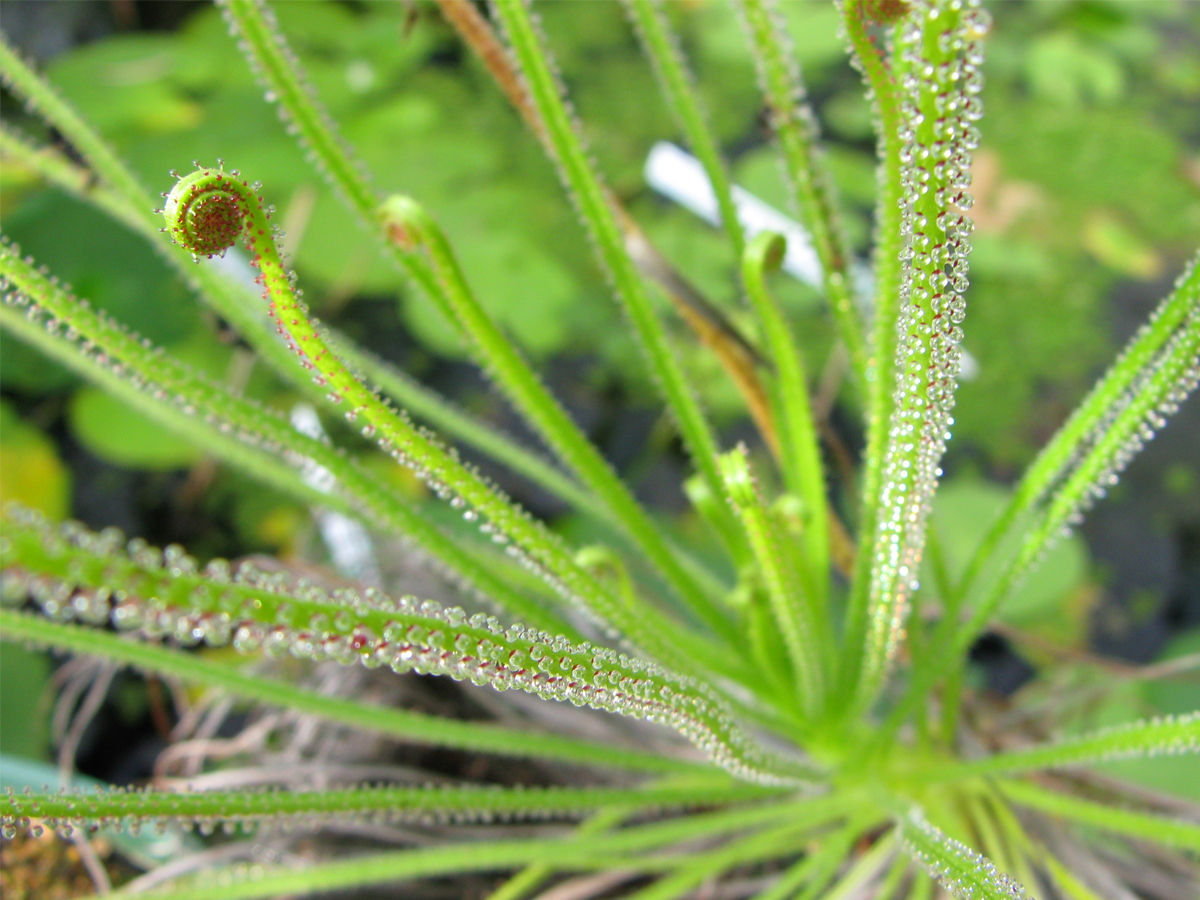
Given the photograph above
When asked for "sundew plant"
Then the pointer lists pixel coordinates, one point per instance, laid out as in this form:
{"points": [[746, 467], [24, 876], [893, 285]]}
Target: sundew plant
{"points": [[803, 684]]}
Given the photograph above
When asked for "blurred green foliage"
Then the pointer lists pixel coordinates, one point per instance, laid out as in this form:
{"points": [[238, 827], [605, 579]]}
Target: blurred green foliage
{"points": [[30, 471], [25, 697]]}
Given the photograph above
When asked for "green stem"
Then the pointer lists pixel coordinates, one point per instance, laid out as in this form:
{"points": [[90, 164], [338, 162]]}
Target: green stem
{"points": [[120, 808], [816, 869], [412, 227], [754, 848], [44, 100], [1064, 449], [405, 725], [573, 853], [881, 374], [275, 66], [801, 454], [1168, 735], [1128, 822], [598, 217], [812, 190], [791, 601], [662, 47], [529, 878]]}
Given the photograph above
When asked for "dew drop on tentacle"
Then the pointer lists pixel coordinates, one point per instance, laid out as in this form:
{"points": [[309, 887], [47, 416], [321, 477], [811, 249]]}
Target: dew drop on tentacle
{"points": [[938, 103]]}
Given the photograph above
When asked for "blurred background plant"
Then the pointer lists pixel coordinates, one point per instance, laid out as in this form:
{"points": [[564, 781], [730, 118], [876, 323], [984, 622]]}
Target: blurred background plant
{"points": [[1087, 186]]}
